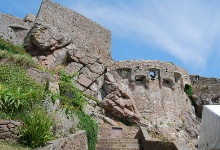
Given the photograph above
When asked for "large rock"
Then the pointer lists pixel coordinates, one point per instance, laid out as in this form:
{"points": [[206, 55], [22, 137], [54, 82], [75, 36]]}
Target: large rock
{"points": [[118, 101], [46, 38]]}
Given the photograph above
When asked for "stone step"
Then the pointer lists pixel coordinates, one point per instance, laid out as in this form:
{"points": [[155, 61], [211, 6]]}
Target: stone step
{"points": [[119, 145], [118, 148], [118, 140]]}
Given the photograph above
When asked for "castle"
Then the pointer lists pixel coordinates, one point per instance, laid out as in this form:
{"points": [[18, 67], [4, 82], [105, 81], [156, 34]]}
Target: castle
{"points": [[147, 92]]}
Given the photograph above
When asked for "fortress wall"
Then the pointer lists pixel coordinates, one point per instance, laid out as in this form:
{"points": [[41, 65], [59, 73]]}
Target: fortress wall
{"points": [[158, 100], [83, 32], [142, 67], [13, 29]]}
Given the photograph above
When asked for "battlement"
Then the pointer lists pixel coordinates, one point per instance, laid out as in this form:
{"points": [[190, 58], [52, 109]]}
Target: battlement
{"points": [[142, 72]]}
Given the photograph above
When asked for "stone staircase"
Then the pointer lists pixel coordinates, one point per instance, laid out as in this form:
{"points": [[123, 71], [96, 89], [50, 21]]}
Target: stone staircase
{"points": [[118, 144]]}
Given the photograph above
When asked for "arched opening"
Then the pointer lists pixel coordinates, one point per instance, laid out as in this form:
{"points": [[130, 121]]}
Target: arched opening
{"points": [[168, 83], [124, 73], [140, 80]]}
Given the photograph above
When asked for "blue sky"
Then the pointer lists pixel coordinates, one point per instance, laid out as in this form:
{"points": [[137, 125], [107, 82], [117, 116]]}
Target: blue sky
{"points": [[186, 33]]}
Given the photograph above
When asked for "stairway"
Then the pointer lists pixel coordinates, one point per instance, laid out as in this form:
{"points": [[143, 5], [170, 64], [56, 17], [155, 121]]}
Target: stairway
{"points": [[118, 144]]}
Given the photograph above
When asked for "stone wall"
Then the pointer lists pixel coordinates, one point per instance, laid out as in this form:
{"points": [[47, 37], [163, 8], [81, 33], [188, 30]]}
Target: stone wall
{"points": [[82, 31], [154, 144], [156, 87], [127, 132], [9, 129], [77, 141], [14, 29]]}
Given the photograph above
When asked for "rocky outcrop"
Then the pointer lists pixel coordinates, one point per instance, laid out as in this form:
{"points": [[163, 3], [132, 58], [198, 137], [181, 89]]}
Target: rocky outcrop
{"points": [[46, 38], [206, 92], [118, 101]]}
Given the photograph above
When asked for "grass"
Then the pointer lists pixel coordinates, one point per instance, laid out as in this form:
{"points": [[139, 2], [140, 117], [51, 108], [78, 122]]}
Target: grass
{"points": [[12, 146]]}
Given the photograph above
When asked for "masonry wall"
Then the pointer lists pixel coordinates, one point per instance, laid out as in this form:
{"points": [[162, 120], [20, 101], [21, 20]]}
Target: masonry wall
{"points": [[84, 32], [77, 141], [9, 129], [156, 87], [13, 29]]}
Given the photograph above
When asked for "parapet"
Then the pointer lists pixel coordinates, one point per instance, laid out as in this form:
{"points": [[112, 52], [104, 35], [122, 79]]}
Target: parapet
{"points": [[140, 70]]}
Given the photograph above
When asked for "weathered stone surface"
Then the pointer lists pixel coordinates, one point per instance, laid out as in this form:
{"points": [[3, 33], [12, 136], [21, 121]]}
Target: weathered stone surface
{"points": [[42, 77], [92, 76], [46, 38], [77, 141], [73, 67], [96, 68], [54, 87], [84, 81], [29, 18], [71, 25], [9, 129], [60, 56], [116, 98], [206, 92], [13, 29]]}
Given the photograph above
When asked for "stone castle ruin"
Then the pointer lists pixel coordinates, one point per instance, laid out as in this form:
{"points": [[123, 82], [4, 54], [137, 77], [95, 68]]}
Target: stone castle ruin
{"points": [[149, 93]]}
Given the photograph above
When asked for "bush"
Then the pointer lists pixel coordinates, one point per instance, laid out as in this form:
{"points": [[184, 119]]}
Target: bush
{"points": [[71, 97], [14, 76], [188, 90], [37, 128], [8, 47], [88, 124], [12, 101]]}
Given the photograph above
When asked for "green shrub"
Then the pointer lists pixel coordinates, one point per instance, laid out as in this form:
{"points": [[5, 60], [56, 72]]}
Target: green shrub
{"points": [[37, 128], [14, 76], [88, 124], [23, 60], [188, 90], [7, 46], [12, 101], [71, 97], [3, 54]]}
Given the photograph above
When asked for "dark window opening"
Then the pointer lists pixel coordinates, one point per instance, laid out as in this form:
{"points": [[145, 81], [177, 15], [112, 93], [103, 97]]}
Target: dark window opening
{"points": [[166, 81], [124, 72], [166, 69], [197, 78], [139, 78]]}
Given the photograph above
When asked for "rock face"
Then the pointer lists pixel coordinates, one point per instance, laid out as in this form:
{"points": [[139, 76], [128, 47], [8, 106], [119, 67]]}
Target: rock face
{"points": [[14, 29], [118, 101], [206, 92]]}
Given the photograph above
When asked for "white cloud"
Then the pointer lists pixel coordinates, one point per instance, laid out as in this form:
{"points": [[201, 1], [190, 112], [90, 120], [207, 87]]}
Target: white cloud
{"points": [[185, 29]]}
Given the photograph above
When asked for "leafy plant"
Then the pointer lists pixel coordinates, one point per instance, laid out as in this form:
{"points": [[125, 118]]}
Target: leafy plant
{"points": [[14, 76], [71, 97], [12, 101], [8, 47], [37, 128], [188, 90], [88, 124]]}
